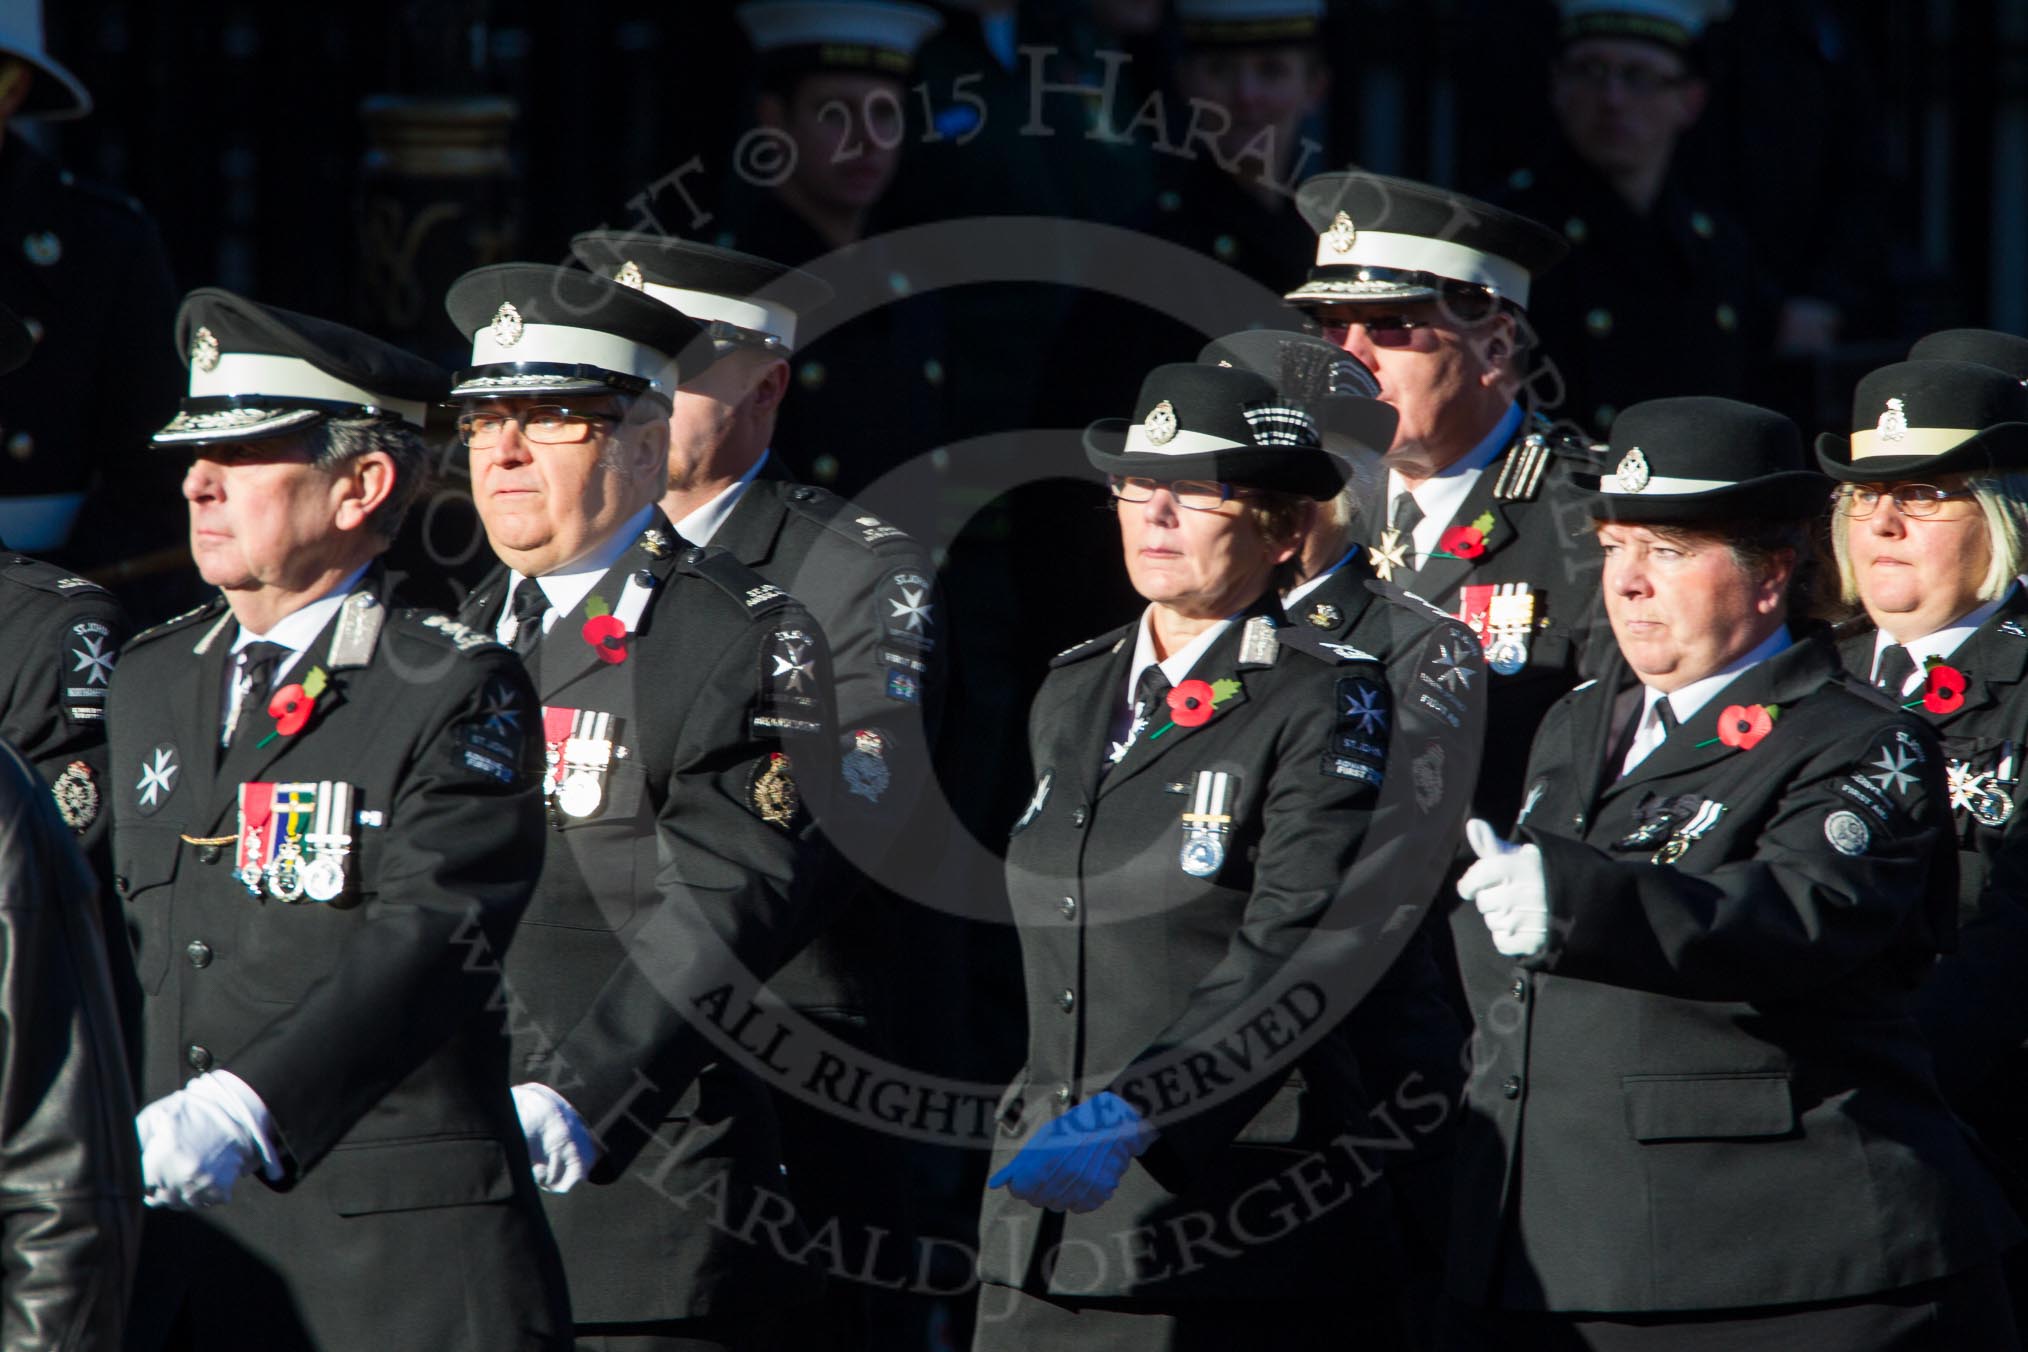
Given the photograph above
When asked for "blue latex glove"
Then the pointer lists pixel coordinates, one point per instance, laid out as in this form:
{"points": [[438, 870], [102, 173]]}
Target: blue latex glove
{"points": [[1076, 1162]]}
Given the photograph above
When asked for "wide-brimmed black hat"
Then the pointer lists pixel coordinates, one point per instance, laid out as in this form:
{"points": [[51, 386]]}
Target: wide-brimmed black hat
{"points": [[1216, 422], [1341, 394], [1988, 347], [256, 370], [735, 295], [1382, 239], [57, 94], [539, 329], [15, 341], [1916, 419], [1698, 458]]}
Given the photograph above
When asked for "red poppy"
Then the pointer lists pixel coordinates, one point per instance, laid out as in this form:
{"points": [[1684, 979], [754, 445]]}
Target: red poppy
{"points": [[607, 636], [290, 708], [1744, 727], [1190, 704], [1463, 542], [1944, 691]]}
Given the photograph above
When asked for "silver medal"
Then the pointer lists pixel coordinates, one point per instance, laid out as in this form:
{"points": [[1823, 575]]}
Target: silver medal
{"points": [[1206, 824], [580, 795]]}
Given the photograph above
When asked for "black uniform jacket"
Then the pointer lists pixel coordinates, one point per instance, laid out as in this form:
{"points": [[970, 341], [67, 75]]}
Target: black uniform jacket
{"points": [[1201, 984], [685, 884], [1541, 536], [368, 1025], [60, 637], [873, 591], [1974, 1009], [1709, 1090], [71, 1219]]}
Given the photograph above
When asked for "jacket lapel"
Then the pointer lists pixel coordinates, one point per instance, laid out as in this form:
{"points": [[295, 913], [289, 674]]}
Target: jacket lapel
{"points": [[1439, 573], [1088, 700], [197, 694], [1993, 659], [750, 532], [1219, 663], [563, 657]]}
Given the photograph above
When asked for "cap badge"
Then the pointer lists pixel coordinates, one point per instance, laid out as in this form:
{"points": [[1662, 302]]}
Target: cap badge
{"points": [[1893, 424], [1161, 424], [1342, 233], [1632, 474], [204, 350], [630, 275], [507, 324]]}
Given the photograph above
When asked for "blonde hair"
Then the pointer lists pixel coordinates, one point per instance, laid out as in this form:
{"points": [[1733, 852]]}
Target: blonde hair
{"points": [[2003, 505]]}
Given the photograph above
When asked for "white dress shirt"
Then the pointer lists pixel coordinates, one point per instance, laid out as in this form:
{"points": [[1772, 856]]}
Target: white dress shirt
{"points": [[1939, 645], [1444, 492], [567, 587], [1685, 702], [699, 526]]}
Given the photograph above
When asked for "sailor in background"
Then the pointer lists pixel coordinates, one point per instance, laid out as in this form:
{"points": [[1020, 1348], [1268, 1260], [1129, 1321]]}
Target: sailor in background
{"points": [[686, 711], [1702, 1113], [873, 589], [326, 823], [1930, 529]]}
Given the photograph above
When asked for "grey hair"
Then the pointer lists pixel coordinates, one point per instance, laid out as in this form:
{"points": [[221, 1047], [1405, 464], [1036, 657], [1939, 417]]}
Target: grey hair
{"points": [[2003, 505], [338, 441]]}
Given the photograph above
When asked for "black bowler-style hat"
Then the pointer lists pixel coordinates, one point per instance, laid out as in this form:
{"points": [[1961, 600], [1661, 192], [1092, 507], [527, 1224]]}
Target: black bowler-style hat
{"points": [[539, 329], [257, 370], [1920, 418], [15, 341], [737, 296], [1988, 347], [1216, 422], [1697, 459], [1340, 393], [1382, 239]]}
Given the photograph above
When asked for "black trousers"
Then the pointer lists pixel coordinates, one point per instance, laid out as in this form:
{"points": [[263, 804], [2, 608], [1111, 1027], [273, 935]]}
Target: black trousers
{"points": [[1964, 1312], [1019, 1321]]}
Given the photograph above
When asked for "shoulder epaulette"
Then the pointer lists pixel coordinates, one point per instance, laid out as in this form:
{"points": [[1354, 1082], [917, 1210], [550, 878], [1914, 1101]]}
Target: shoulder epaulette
{"points": [[754, 593], [1107, 643], [843, 517], [1529, 458], [47, 577], [1312, 641], [209, 610], [441, 628]]}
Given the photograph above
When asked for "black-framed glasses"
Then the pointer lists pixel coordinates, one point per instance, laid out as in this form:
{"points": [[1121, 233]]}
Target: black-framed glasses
{"points": [[1198, 495], [1860, 501], [545, 424]]}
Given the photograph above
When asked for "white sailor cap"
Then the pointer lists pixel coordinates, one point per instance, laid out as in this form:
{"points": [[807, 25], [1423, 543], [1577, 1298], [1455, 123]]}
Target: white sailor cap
{"points": [[1676, 24], [880, 37], [1249, 23]]}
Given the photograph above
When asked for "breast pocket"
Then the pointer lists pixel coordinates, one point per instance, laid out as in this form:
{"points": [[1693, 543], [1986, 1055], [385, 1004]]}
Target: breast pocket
{"points": [[612, 848], [286, 948], [144, 865], [1714, 1107]]}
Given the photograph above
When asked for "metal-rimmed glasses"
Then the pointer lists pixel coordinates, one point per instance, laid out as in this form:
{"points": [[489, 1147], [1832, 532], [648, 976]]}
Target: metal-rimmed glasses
{"points": [[545, 424], [1920, 501]]}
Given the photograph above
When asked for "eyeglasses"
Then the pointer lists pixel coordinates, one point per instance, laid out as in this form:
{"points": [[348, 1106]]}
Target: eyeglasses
{"points": [[545, 424], [1382, 330], [1198, 495], [1860, 501], [1640, 81]]}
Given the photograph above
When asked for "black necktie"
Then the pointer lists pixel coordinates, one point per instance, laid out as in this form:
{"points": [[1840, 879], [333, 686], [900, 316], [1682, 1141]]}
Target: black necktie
{"points": [[1407, 515], [1150, 692], [530, 604], [1665, 714], [254, 678], [1896, 666]]}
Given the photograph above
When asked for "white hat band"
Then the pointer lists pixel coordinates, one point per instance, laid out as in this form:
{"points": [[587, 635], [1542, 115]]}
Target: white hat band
{"points": [[1662, 486], [568, 346], [1868, 442], [275, 377], [1182, 443], [758, 316], [1419, 253]]}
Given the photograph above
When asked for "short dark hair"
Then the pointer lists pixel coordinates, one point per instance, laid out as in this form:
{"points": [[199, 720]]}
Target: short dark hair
{"points": [[336, 441]]}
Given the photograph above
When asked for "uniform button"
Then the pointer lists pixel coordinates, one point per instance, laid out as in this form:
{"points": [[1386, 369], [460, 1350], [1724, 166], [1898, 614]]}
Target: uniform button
{"points": [[1010, 1120], [1598, 323], [207, 854], [1511, 1086], [199, 953], [693, 556], [800, 495], [198, 1056], [120, 884], [1577, 820], [1079, 816], [1520, 989], [1067, 1001], [1068, 906], [1062, 1093], [644, 579]]}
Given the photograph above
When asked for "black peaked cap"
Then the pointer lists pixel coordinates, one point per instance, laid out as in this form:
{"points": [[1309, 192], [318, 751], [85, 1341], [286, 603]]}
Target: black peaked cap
{"points": [[547, 294], [699, 267]]}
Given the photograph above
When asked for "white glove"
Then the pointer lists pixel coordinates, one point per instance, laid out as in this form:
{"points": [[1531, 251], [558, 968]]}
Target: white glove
{"points": [[197, 1142], [1509, 889], [561, 1151]]}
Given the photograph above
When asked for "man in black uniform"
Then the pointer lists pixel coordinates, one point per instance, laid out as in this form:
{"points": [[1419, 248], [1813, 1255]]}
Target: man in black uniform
{"points": [[85, 269], [872, 588], [686, 705], [1928, 531], [1661, 294], [59, 638], [326, 823], [1428, 290], [1701, 1113]]}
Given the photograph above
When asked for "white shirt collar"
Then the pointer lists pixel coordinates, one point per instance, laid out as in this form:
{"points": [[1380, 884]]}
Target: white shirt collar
{"points": [[1694, 696], [1444, 492], [1302, 589], [699, 526], [1940, 644], [1176, 666], [567, 587], [298, 629]]}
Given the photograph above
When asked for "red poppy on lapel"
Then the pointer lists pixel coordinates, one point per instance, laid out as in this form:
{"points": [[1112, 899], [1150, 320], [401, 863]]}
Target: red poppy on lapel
{"points": [[1462, 542], [607, 636], [1190, 704], [1744, 726], [1944, 690]]}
